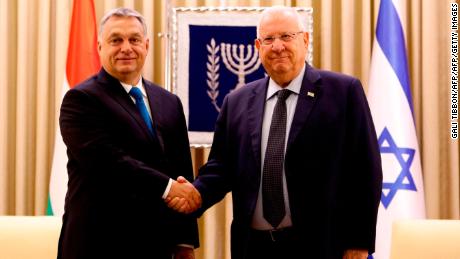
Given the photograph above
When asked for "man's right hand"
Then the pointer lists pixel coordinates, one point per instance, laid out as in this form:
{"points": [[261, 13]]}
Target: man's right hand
{"points": [[183, 197]]}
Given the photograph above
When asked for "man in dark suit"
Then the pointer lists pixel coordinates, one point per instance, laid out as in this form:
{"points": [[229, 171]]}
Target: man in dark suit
{"points": [[299, 153], [126, 141]]}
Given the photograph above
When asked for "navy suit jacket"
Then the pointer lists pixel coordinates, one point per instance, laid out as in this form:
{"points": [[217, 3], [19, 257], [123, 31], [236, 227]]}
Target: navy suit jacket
{"points": [[118, 172], [332, 164]]}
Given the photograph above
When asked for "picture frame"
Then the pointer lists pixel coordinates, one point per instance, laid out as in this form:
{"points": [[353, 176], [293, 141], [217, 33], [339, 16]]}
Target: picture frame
{"points": [[211, 52]]}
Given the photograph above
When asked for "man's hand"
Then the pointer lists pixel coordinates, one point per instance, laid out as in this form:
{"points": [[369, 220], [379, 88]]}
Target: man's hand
{"points": [[183, 197], [355, 254], [184, 253]]}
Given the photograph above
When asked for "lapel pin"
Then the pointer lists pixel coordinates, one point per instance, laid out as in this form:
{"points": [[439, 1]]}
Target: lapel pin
{"points": [[311, 94]]}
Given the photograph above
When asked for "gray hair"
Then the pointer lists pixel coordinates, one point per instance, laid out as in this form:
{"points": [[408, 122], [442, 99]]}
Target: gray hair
{"points": [[279, 9], [122, 12]]}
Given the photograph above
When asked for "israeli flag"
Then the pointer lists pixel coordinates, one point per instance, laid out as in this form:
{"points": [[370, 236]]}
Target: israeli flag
{"points": [[390, 101]]}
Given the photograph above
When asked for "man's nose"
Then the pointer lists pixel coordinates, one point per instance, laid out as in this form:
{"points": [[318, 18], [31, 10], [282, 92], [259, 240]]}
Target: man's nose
{"points": [[126, 46], [277, 45]]}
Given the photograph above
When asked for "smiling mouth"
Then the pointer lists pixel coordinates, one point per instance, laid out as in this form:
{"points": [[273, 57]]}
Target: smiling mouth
{"points": [[124, 59], [279, 58], [276, 56]]}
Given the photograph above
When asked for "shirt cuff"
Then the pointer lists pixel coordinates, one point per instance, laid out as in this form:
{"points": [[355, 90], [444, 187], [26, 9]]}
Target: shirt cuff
{"points": [[168, 188], [186, 245]]}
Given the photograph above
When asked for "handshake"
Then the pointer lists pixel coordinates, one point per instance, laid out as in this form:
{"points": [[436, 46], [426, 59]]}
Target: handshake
{"points": [[183, 196]]}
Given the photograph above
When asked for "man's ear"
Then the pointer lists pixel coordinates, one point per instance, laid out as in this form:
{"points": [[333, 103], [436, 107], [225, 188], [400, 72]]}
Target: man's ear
{"points": [[99, 46], [257, 43], [306, 38], [147, 44]]}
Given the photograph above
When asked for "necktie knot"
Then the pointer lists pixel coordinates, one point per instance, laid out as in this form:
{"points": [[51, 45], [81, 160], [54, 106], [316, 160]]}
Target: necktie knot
{"points": [[136, 93], [284, 94]]}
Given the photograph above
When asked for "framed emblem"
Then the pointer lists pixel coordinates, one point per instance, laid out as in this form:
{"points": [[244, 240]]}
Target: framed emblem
{"points": [[211, 52]]}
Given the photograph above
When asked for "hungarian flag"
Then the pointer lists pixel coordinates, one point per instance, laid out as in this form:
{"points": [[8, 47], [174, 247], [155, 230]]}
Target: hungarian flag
{"points": [[82, 62], [390, 101]]}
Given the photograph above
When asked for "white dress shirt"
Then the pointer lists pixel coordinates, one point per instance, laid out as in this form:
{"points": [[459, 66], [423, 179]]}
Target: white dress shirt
{"points": [[258, 220]]}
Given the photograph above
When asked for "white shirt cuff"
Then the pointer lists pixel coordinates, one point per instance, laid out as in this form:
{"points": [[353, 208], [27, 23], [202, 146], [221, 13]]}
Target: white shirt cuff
{"points": [[186, 245], [168, 187]]}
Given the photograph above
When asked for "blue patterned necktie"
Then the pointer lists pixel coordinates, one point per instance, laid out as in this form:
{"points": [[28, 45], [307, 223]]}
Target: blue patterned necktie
{"points": [[137, 94], [272, 174]]}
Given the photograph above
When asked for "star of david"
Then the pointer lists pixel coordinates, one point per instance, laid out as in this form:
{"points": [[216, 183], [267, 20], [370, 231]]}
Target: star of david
{"points": [[404, 156]]}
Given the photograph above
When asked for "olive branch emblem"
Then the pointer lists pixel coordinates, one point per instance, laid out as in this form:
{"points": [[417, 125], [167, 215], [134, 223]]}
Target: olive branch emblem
{"points": [[213, 72]]}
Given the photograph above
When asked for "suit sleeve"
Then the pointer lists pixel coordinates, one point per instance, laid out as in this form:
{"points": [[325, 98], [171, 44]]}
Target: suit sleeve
{"points": [[361, 183], [214, 180], [185, 227]]}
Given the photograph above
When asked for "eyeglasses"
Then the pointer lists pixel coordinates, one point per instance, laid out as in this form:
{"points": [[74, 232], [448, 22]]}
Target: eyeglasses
{"points": [[285, 37]]}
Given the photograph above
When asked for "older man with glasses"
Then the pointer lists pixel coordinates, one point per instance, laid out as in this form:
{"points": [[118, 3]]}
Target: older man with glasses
{"points": [[299, 153]]}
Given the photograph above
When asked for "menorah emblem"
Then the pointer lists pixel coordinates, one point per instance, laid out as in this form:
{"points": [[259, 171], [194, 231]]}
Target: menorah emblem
{"points": [[236, 62]]}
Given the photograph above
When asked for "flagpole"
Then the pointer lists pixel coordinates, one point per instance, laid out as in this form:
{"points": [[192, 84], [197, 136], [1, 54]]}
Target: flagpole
{"points": [[167, 41]]}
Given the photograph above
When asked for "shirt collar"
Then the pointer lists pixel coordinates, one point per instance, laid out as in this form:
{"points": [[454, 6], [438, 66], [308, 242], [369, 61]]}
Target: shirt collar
{"points": [[139, 85], [294, 85]]}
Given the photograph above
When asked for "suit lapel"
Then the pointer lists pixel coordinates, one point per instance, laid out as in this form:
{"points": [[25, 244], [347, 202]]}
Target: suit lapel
{"points": [[310, 92], [256, 113], [118, 93], [156, 110]]}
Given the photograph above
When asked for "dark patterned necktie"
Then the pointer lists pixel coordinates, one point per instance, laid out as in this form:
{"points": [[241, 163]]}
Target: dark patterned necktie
{"points": [[272, 180], [137, 94]]}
